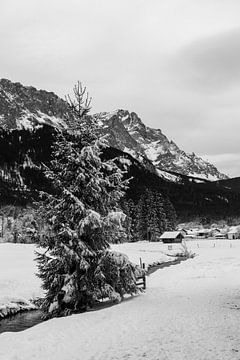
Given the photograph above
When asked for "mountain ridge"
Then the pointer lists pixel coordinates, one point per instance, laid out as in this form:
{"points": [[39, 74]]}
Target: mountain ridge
{"points": [[154, 145], [26, 107]]}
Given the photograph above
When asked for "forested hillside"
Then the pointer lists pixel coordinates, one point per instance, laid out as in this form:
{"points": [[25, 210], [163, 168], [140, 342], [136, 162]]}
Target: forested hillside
{"points": [[24, 153]]}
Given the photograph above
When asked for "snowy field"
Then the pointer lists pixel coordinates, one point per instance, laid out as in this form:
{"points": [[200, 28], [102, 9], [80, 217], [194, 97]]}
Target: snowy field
{"points": [[189, 311], [19, 284], [149, 252]]}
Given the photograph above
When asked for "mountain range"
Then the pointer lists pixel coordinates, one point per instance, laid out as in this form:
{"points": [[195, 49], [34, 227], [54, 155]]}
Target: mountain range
{"points": [[30, 120], [25, 107]]}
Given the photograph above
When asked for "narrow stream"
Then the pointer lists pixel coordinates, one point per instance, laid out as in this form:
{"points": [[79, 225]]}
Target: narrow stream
{"points": [[21, 321]]}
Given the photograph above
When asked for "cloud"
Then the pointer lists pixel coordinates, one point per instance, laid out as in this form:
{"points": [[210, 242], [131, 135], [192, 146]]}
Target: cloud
{"points": [[173, 62], [211, 64], [228, 162]]}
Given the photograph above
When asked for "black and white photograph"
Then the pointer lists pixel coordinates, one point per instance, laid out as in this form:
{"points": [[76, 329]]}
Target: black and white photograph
{"points": [[119, 180]]}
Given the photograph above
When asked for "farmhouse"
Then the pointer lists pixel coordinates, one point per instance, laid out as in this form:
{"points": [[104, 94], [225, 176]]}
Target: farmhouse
{"points": [[220, 236], [191, 234], [234, 233], [172, 237], [204, 233], [215, 232], [183, 231]]}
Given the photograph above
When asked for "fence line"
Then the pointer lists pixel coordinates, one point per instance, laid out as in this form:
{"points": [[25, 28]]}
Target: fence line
{"points": [[213, 244]]}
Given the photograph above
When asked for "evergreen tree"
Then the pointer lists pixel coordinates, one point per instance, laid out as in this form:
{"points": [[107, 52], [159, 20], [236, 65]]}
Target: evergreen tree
{"points": [[171, 216], [141, 219], [83, 216], [150, 216], [127, 209]]}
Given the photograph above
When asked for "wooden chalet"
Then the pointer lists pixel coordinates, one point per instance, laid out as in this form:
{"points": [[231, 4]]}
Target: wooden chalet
{"points": [[169, 237], [234, 233]]}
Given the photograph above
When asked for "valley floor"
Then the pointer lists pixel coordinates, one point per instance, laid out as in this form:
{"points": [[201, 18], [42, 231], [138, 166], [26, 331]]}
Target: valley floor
{"points": [[189, 311], [19, 283]]}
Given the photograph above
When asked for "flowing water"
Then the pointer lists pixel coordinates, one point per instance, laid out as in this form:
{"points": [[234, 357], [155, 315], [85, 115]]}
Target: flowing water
{"points": [[21, 321]]}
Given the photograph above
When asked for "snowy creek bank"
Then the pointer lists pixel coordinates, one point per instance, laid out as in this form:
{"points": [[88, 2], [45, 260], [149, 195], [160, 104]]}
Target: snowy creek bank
{"points": [[23, 318], [16, 312], [19, 285], [19, 317], [154, 267], [13, 307], [189, 311], [21, 321]]}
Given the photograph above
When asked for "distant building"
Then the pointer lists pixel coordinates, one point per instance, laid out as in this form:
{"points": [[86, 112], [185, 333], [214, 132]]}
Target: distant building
{"points": [[234, 233], [203, 233], [183, 231], [216, 232], [220, 236], [172, 237], [191, 234]]}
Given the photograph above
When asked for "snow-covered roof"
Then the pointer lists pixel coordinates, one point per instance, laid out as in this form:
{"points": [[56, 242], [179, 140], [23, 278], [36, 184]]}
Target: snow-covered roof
{"points": [[170, 234], [234, 230], [204, 231], [182, 229]]}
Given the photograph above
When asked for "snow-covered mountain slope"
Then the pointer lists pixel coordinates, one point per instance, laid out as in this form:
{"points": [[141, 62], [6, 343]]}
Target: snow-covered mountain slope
{"points": [[126, 131], [26, 107]]}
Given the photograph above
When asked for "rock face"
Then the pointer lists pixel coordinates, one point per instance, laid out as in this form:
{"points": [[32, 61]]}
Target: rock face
{"points": [[127, 132], [27, 107]]}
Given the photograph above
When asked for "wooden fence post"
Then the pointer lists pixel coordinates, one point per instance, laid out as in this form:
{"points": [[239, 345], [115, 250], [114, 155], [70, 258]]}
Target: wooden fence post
{"points": [[143, 277]]}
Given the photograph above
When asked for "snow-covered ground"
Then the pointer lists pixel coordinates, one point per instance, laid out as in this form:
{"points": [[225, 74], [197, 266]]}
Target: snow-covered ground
{"points": [[18, 282], [189, 311], [149, 252]]}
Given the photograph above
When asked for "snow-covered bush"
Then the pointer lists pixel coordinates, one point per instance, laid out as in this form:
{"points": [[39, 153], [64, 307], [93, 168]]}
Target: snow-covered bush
{"points": [[184, 251], [120, 275]]}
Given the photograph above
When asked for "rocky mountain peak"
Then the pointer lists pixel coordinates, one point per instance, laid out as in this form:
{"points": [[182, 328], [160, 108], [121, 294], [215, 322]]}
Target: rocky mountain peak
{"points": [[133, 136], [26, 107]]}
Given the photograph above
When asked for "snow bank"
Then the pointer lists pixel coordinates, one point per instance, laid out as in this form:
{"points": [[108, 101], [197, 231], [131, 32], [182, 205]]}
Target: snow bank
{"points": [[18, 282], [149, 252], [15, 306]]}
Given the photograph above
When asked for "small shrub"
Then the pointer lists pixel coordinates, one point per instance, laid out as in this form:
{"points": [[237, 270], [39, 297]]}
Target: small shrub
{"points": [[185, 252]]}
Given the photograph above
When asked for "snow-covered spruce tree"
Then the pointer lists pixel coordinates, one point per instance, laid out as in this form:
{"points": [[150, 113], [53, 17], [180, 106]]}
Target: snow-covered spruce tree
{"points": [[82, 217]]}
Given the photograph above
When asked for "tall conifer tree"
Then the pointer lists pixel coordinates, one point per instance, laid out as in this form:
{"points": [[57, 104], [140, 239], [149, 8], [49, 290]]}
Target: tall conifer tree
{"points": [[82, 217]]}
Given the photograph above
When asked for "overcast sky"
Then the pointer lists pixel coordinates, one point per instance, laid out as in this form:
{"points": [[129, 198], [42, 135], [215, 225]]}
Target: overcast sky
{"points": [[174, 62]]}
